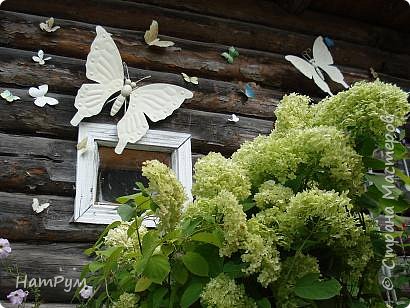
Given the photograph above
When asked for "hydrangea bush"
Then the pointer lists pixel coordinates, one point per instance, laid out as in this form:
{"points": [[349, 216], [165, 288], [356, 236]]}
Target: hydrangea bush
{"points": [[285, 222]]}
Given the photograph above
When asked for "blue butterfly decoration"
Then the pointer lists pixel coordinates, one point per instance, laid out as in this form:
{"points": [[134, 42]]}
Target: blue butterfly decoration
{"points": [[249, 92], [329, 42]]}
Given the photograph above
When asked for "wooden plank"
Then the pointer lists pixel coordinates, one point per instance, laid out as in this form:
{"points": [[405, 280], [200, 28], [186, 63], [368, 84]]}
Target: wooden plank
{"points": [[209, 131], [20, 223], [61, 262], [206, 29], [294, 6], [36, 165], [268, 13], [389, 13], [66, 75]]}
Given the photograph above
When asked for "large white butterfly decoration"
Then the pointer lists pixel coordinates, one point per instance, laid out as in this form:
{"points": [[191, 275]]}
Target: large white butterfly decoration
{"points": [[104, 66], [322, 61]]}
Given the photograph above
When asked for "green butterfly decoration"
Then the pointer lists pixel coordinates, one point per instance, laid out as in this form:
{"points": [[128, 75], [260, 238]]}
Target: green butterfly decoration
{"points": [[8, 96], [230, 55]]}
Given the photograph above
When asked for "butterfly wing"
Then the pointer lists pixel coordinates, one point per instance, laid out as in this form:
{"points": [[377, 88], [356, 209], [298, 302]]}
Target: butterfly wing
{"points": [[104, 62], [104, 65], [151, 34], [302, 65], [321, 53], [91, 97], [38, 92], [157, 101], [324, 61], [160, 43], [321, 83]]}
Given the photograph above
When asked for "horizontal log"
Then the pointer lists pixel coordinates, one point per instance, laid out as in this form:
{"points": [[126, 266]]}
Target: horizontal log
{"points": [[66, 75], [209, 131], [268, 13], [20, 223], [389, 13], [61, 262], [37, 165], [209, 29]]}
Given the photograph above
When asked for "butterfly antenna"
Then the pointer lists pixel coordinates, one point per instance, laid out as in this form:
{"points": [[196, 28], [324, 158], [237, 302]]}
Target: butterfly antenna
{"points": [[126, 69], [306, 54], [141, 79]]}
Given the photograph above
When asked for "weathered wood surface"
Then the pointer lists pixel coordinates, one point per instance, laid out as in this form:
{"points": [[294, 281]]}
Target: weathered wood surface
{"points": [[37, 165], [66, 75], [197, 27], [209, 131], [20, 223], [268, 13], [390, 13], [46, 261]]}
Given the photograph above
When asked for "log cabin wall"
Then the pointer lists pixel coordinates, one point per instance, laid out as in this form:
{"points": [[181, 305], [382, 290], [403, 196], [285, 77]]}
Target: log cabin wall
{"points": [[37, 145]]}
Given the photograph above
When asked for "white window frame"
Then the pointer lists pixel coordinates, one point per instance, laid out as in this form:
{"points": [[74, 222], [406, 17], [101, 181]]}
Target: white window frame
{"points": [[86, 210]]}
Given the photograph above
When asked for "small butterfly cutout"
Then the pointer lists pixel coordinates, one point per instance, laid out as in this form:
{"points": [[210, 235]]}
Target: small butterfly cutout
{"points": [[188, 79], [248, 90], [39, 94], [151, 37], [40, 58], [48, 25], [37, 207], [8, 96], [233, 118], [230, 55], [82, 146]]}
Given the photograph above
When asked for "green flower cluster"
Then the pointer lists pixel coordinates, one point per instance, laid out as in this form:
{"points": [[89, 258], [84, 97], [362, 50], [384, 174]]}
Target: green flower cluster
{"points": [[126, 300], [223, 292], [167, 193], [118, 237], [273, 195], [357, 111], [214, 173], [302, 158], [321, 217]]}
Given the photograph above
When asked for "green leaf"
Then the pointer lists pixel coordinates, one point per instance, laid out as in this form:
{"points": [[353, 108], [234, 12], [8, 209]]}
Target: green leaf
{"points": [[400, 151], [126, 212], [179, 272], [373, 163], [310, 287], [380, 182], [207, 237], [191, 294], [189, 226], [150, 241], [142, 284], [109, 251], [95, 266], [234, 270], [263, 303], [125, 199], [157, 268], [196, 264], [158, 297]]}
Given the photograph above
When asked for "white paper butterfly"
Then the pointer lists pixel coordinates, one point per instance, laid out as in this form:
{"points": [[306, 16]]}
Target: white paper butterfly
{"points": [[322, 61], [234, 118], [48, 26], [104, 65], [37, 207], [40, 58], [39, 94]]}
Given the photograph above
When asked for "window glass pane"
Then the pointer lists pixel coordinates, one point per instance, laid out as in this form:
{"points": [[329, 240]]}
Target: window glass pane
{"points": [[117, 174]]}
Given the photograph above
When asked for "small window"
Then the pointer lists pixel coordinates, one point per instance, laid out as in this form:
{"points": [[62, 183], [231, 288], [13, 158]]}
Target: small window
{"points": [[103, 175]]}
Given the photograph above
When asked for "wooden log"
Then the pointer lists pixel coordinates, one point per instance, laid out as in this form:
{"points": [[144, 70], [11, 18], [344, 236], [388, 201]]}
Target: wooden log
{"points": [[60, 262], [20, 223], [203, 28], [294, 6], [268, 13], [66, 75], [389, 13], [209, 131], [37, 165]]}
